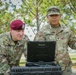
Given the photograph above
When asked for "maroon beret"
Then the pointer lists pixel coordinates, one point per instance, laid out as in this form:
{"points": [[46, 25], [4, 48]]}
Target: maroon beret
{"points": [[17, 25]]}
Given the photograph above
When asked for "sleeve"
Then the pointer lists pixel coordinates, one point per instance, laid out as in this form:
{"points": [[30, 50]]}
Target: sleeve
{"points": [[4, 67], [72, 40], [26, 39]]}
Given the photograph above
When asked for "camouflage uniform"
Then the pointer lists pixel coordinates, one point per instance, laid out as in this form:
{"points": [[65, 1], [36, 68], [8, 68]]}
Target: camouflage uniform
{"points": [[10, 52], [63, 37]]}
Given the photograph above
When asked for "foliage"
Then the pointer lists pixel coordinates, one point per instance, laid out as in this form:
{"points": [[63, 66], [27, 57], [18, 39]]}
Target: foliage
{"points": [[5, 22], [33, 13]]}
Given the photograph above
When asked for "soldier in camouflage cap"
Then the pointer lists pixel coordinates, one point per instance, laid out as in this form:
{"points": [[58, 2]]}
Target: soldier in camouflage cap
{"points": [[64, 37], [12, 45], [53, 10]]}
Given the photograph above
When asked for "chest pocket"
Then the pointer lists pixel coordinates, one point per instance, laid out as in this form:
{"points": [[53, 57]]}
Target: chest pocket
{"points": [[14, 53], [50, 37]]}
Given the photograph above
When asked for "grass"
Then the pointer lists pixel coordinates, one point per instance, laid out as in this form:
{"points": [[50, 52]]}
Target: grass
{"points": [[73, 57], [22, 62]]}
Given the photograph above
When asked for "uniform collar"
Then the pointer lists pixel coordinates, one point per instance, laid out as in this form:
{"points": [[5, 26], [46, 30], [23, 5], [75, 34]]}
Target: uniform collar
{"points": [[59, 28], [12, 42]]}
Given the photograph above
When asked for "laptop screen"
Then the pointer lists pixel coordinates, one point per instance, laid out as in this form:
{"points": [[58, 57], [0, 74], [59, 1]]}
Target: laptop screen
{"points": [[41, 51]]}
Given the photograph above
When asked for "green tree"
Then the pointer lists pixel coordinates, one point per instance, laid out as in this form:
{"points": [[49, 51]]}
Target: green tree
{"points": [[33, 12]]}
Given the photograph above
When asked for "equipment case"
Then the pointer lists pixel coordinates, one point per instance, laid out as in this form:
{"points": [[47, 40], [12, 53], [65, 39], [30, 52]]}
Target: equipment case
{"points": [[37, 69]]}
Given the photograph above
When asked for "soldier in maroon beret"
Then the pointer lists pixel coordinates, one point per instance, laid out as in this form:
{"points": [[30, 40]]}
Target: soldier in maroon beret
{"points": [[12, 45], [17, 29]]}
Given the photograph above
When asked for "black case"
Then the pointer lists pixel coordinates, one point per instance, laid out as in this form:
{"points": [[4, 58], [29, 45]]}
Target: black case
{"points": [[37, 69]]}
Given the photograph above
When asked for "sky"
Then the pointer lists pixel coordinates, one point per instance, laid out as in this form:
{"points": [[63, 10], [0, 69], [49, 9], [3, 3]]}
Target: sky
{"points": [[18, 3]]}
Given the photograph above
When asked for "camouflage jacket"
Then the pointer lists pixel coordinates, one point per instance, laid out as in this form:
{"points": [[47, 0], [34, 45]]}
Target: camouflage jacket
{"points": [[64, 37], [10, 52]]}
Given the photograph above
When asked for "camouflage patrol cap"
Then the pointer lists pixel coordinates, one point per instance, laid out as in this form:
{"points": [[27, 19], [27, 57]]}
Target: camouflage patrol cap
{"points": [[17, 25], [53, 10]]}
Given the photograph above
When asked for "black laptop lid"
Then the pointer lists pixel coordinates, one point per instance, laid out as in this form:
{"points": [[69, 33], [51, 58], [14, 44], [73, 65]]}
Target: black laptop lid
{"points": [[41, 51]]}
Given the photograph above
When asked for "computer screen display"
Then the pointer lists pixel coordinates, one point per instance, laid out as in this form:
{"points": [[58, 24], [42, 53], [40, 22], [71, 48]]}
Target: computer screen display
{"points": [[41, 51]]}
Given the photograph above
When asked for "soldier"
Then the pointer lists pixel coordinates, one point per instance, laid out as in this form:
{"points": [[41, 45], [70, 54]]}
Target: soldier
{"points": [[12, 45], [64, 37]]}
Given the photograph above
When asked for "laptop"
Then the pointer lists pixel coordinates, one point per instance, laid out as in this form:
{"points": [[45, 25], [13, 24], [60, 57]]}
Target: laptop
{"points": [[41, 51], [38, 52]]}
